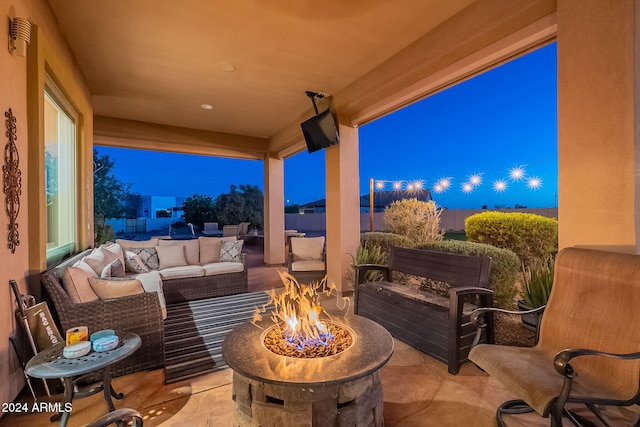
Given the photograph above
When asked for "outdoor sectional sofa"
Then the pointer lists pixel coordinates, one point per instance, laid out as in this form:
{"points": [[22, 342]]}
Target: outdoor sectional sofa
{"points": [[88, 290]]}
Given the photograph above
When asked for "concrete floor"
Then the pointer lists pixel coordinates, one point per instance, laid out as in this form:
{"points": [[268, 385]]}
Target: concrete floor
{"points": [[418, 390]]}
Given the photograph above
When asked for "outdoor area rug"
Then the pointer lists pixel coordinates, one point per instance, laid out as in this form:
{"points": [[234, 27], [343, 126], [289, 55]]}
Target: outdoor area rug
{"points": [[194, 332]]}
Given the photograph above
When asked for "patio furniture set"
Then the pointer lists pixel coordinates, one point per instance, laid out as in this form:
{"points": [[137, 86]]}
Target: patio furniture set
{"points": [[589, 327]]}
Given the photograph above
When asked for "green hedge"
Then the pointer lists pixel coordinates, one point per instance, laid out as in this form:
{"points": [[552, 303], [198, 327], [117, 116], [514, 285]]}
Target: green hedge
{"points": [[532, 237], [504, 267], [385, 241]]}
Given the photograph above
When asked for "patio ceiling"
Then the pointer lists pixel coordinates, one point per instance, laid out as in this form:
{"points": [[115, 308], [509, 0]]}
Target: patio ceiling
{"points": [[151, 64]]}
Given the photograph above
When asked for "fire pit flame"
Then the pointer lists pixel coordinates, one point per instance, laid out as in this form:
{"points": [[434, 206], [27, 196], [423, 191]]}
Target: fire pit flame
{"points": [[297, 313]]}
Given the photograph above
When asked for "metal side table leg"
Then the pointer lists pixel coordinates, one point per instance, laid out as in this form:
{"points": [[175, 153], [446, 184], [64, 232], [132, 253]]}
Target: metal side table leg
{"points": [[67, 402]]}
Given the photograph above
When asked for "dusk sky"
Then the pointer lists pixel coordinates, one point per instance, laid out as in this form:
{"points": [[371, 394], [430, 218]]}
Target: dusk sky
{"points": [[499, 127]]}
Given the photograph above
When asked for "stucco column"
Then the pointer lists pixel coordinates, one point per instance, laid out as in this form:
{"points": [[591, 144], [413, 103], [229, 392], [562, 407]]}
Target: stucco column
{"points": [[273, 211], [597, 127], [343, 206]]}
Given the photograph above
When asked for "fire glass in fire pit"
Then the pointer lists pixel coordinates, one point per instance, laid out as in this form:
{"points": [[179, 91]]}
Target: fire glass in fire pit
{"points": [[340, 388]]}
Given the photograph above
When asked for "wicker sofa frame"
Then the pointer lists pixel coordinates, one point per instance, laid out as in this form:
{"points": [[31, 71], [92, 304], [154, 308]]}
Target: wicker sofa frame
{"points": [[216, 285], [140, 314]]}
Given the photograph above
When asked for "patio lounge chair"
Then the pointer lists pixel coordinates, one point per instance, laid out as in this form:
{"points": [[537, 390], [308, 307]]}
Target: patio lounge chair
{"points": [[307, 259], [211, 229], [588, 350]]}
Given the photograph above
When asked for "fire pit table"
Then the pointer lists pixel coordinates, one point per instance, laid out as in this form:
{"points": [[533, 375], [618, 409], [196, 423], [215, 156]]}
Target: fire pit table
{"points": [[338, 390]]}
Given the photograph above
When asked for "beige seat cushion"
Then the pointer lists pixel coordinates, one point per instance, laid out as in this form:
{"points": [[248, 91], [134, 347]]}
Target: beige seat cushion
{"points": [[115, 288], [182, 272], [308, 265], [222, 267], [191, 247], [171, 256], [307, 248], [75, 281]]}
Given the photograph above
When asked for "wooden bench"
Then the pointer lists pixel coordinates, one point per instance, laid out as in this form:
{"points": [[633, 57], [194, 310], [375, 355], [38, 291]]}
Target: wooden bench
{"points": [[433, 324]]}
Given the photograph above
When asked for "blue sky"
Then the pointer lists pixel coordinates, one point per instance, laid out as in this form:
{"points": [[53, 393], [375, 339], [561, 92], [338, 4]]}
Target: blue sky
{"points": [[502, 120]]}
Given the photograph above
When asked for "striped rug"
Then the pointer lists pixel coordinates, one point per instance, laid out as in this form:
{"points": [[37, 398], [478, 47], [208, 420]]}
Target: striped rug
{"points": [[194, 331]]}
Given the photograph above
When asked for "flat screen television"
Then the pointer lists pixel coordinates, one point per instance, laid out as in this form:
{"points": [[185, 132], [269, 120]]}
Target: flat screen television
{"points": [[320, 131]]}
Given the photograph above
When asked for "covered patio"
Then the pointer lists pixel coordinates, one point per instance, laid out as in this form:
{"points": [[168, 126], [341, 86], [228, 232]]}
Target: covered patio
{"points": [[136, 75]]}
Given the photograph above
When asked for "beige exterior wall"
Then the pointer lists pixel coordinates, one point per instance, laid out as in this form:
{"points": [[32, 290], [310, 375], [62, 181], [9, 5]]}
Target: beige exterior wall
{"points": [[22, 83], [343, 206], [274, 211], [596, 124]]}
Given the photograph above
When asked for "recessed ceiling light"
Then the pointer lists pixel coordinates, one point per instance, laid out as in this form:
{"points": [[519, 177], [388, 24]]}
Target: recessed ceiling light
{"points": [[226, 66], [206, 107]]}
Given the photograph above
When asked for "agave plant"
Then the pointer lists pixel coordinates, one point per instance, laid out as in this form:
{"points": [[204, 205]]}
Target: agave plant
{"points": [[366, 254], [537, 283]]}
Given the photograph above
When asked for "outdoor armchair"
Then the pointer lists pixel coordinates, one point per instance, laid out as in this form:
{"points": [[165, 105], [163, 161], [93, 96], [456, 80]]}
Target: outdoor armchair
{"points": [[307, 259], [588, 351]]}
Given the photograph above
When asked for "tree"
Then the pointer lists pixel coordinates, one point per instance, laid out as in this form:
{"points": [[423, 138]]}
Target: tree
{"points": [[294, 208], [109, 196], [198, 209], [244, 203]]}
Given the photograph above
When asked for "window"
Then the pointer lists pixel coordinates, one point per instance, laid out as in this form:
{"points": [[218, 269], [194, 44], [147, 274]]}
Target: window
{"points": [[60, 173]]}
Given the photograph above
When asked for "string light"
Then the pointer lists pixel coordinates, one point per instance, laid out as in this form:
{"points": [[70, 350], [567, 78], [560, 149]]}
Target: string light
{"points": [[500, 185], [475, 179], [534, 183], [517, 173], [467, 187]]}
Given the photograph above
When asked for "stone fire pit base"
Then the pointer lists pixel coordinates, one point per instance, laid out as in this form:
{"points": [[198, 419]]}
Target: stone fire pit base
{"points": [[353, 403]]}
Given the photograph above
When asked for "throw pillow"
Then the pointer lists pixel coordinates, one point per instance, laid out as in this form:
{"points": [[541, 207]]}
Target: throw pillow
{"points": [[209, 249], [115, 288], [133, 263], [149, 257], [114, 248], [75, 281], [171, 256], [191, 249], [128, 244], [231, 250], [99, 258], [115, 269]]}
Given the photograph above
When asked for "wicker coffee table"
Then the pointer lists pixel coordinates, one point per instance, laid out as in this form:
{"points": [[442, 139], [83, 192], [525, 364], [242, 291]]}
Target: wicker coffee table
{"points": [[50, 364]]}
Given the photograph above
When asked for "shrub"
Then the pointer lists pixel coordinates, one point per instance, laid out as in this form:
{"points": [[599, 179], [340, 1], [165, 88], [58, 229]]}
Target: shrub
{"points": [[532, 237], [418, 220], [504, 267], [537, 281], [384, 241], [366, 254]]}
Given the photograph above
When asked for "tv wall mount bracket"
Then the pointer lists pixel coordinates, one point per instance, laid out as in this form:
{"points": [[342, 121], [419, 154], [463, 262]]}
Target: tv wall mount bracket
{"points": [[313, 96]]}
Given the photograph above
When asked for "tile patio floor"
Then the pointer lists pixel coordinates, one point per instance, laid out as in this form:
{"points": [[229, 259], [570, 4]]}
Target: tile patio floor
{"points": [[418, 391]]}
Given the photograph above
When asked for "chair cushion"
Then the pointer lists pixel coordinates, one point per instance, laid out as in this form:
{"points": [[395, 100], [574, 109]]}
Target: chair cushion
{"points": [[230, 251], [223, 267], [171, 256], [75, 281], [308, 265], [115, 288], [191, 248], [307, 248], [182, 272]]}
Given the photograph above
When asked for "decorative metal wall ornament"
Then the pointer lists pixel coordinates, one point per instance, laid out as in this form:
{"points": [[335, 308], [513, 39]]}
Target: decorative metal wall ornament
{"points": [[12, 182]]}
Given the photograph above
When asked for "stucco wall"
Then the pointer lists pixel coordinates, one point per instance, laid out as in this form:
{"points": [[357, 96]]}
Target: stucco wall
{"points": [[25, 264], [596, 129]]}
